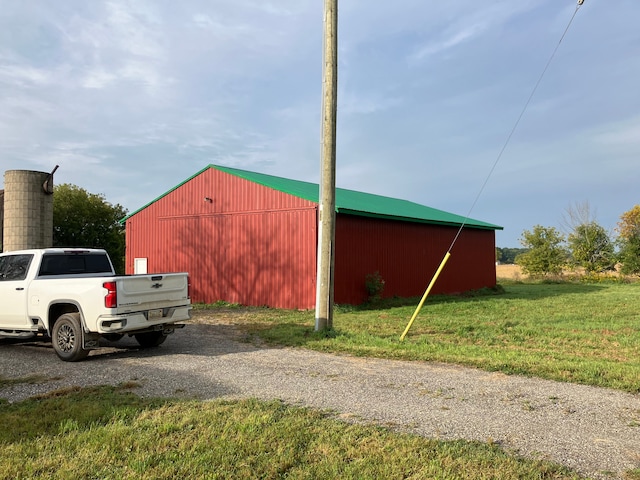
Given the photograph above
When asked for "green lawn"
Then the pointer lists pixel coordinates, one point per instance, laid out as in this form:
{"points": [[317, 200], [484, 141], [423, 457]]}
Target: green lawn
{"points": [[570, 332], [582, 333], [109, 433]]}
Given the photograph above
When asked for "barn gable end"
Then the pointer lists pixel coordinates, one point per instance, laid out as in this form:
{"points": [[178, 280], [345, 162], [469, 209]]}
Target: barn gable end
{"points": [[239, 241]]}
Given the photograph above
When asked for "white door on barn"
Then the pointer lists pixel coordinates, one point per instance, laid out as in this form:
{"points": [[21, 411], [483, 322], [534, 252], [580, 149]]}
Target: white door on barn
{"points": [[139, 266]]}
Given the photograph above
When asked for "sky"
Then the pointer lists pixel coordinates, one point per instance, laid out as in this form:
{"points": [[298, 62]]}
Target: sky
{"points": [[132, 97]]}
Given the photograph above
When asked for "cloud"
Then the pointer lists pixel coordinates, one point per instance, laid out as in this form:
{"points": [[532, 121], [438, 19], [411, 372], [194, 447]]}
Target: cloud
{"points": [[98, 78], [202, 20], [24, 76], [355, 103], [465, 23], [450, 40], [150, 92], [620, 135], [132, 28]]}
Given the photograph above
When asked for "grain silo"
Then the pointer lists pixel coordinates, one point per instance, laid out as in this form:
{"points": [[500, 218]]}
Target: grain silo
{"points": [[28, 210], [1, 216]]}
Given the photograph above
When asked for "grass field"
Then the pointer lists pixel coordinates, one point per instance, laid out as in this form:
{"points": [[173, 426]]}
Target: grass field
{"points": [[108, 433], [509, 272], [587, 333], [583, 333], [512, 272]]}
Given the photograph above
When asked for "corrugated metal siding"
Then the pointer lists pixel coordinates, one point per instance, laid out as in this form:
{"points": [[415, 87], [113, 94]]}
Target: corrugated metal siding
{"points": [[239, 241], [407, 255], [253, 245]]}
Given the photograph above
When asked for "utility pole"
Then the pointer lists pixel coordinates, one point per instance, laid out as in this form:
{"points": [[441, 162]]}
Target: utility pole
{"points": [[327, 210]]}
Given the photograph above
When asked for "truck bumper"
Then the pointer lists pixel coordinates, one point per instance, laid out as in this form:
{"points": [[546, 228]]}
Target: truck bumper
{"points": [[135, 321]]}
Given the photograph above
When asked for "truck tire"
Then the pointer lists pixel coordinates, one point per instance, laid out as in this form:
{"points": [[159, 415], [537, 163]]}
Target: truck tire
{"points": [[151, 339], [66, 337]]}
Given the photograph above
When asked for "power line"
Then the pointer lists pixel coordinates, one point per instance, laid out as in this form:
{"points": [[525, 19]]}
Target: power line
{"points": [[515, 126], [495, 164]]}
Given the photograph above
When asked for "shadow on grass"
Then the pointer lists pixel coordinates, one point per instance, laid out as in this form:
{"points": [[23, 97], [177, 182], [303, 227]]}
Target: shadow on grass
{"points": [[522, 291]]}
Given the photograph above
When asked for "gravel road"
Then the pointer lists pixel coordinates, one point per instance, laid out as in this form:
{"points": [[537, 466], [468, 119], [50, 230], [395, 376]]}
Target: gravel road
{"points": [[595, 431]]}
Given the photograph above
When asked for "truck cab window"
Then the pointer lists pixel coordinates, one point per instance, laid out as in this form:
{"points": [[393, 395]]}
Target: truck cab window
{"points": [[14, 267], [77, 263]]}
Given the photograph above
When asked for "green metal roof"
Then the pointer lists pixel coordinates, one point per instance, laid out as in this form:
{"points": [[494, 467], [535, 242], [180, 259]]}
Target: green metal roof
{"points": [[359, 203], [349, 201]]}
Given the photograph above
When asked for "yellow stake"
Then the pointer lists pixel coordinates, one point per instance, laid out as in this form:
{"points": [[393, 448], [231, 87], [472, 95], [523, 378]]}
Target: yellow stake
{"points": [[426, 294]]}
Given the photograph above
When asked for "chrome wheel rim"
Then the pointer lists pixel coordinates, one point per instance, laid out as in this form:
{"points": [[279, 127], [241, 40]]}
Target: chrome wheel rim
{"points": [[66, 338]]}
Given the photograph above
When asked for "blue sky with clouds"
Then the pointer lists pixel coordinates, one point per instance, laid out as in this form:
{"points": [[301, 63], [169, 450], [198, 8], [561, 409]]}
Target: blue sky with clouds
{"points": [[131, 97]]}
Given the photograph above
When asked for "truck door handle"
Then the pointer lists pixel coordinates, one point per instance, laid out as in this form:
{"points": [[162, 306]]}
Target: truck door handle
{"points": [[20, 288]]}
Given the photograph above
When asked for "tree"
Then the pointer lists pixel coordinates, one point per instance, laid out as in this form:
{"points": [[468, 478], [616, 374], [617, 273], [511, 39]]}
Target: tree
{"points": [[589, 243], [546, 253], [591, 248], [83, 219], [508, 255], [629, 240], [577, 214]]}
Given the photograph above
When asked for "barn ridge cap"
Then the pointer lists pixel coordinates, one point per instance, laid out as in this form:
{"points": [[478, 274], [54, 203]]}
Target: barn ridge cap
{"points": [[348, 202]]}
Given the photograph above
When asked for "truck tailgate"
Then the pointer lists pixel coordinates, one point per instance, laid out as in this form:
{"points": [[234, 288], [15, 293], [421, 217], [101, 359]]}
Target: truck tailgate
{"points": [[138, 292]]}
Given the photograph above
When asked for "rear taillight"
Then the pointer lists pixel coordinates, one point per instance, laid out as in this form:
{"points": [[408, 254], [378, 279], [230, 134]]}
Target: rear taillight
{"points": [[188, 286], [111, 298]]}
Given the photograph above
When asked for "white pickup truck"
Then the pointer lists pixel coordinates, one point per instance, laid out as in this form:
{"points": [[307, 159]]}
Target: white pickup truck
{"points": [[74, 297]]}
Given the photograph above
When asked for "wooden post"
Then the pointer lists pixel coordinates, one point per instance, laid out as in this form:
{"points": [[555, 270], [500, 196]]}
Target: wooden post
{"points": [[327, 210]]}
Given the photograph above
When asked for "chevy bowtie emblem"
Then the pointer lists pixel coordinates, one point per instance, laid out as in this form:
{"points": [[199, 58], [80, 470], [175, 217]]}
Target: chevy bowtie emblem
{"points": [[156, 285]]}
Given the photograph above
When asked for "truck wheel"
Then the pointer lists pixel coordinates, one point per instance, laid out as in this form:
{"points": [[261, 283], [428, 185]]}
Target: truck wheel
{"points": [[151, 339], [67, 338]]}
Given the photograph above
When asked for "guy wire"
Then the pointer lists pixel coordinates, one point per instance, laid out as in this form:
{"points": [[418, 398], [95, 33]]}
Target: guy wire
{"points": [[515, 126]]}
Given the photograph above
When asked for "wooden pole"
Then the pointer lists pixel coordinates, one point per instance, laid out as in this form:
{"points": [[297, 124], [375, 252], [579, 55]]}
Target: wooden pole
{"points": [[327, 210]]}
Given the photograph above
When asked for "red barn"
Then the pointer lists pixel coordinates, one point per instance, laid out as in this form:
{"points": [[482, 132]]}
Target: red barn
{"points": [[251, 239]]}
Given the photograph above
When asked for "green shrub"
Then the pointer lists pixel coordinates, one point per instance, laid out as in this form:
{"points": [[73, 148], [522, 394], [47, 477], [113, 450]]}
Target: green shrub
{"points": [[374, 283]]}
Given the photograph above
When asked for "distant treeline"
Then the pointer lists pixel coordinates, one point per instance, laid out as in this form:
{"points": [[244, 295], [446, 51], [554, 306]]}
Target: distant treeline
{"points": [[508, 255]]}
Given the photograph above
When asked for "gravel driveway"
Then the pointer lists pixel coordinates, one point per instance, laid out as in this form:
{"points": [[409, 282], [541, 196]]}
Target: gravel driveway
{"points": [[595, 431]]}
